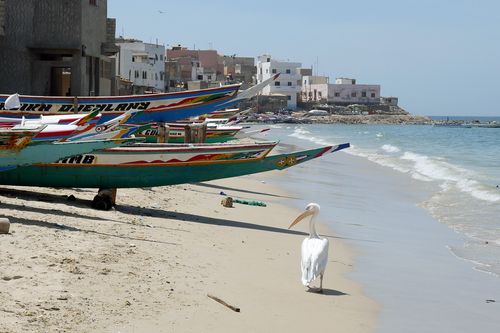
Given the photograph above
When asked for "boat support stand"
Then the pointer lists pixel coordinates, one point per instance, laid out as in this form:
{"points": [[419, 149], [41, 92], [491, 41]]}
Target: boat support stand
{"points": [[105, 199]]}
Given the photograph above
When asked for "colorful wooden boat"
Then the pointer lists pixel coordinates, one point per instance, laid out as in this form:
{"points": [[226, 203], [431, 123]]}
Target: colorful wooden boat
{"points": [[161, 153], [177, 133], [47, 152], [87, 174], [164, 107], [13, 140]]}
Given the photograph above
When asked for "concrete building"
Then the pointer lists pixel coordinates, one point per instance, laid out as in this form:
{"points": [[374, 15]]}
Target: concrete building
{"points": [[314, 88], [240, 69], [141, 63], [346, 91], [173, 77], [287, 82], [56, 47], [391, 101], [197, 64]]}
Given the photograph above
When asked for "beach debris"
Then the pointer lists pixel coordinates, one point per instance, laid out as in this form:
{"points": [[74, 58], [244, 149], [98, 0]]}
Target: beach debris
{"points": [[227, 202], [250, 202], [218, 300], [4, 225], [490, 301], [15, 277], [222, 193]]}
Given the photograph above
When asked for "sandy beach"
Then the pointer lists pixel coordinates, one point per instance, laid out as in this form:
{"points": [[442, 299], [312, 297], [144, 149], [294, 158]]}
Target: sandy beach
{"points": [[149, 265]]}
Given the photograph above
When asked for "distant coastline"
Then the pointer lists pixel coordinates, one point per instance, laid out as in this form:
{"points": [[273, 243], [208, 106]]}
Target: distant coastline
{"points": [[353, 115]]}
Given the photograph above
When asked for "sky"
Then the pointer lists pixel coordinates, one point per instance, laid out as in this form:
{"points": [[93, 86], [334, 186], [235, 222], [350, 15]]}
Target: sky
{"points": [[440, 57]]}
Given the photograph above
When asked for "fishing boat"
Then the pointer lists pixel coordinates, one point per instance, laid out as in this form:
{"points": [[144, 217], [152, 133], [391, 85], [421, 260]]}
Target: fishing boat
{"points": [[177, 133], [144, 165], [47, 152], [13, 140], [163, 107], [491, 124], [161, 153]]}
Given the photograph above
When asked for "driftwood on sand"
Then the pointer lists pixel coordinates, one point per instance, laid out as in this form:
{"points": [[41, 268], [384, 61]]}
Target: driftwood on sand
{"points": [[235, 309]]}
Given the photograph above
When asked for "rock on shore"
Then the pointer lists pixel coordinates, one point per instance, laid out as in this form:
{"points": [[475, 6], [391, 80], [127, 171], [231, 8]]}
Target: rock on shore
{"points": [[371, 119]]}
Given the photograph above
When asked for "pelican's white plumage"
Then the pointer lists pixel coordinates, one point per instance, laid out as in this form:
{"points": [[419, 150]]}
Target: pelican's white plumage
{"points": [[314, 259], [314, 249]]}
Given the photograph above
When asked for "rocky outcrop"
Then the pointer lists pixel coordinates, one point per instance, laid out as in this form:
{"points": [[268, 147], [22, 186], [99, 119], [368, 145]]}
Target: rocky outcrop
{"points": [[371, 119]]}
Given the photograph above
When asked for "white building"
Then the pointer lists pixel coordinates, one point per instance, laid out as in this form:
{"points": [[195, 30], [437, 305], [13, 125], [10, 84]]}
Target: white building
{"points": [[346, 91], [141, 63], [287, 84], [314, 88]]}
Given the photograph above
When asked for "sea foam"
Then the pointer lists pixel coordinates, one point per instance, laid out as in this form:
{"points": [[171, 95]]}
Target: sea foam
{"points": [[440, 170], [390, 148]]}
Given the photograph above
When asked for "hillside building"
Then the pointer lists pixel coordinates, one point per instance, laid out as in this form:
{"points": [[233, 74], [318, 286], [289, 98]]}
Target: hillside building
{"points": [[141, 63], [197, 65], [287, 84]]}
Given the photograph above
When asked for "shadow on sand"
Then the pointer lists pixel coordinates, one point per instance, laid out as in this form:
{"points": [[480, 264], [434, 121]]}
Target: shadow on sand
{"points": [[60, 226], [157, 213], [327, 292], [226, 188]]}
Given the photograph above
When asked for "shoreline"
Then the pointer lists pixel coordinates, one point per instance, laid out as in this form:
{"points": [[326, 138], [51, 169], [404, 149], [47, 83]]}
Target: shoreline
{"points": [[150, 264], [403, 258]]}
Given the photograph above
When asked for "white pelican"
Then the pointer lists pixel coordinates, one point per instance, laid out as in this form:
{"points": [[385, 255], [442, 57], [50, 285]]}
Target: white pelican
{"points": [[314, 249]]}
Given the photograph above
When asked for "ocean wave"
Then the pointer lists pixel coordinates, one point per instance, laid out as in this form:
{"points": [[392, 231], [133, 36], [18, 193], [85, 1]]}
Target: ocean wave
{"points": [[440, 170], [303, 134], [377, 158], [390, 148]]}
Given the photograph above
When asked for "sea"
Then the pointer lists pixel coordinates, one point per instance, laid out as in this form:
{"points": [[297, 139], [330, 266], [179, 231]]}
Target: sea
{"points": [[420, 204]]}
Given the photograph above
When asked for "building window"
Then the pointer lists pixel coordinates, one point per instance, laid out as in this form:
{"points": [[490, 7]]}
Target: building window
{"points": [[144, 75], [288, 71], [363, 94], [373, 95], [337, 94], [274, 70], [353, 94], [200, 77], [305, 82], [289, 97], [277, 83], [267, 70], [161, 57], [209, 77], [136, 74], [133, 59], [93, 2], [261, 71], [289, 84], [156, 76]]}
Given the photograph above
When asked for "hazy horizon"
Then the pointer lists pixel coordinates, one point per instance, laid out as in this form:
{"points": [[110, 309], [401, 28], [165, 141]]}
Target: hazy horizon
{"points": [[438, 57]]}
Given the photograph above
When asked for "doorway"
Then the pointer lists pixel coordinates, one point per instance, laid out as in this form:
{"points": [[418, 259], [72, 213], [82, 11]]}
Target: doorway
{"points": [[60, 81]]}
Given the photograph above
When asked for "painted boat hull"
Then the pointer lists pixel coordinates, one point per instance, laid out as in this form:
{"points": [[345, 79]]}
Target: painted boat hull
{"points": [[149, 175], [166, 154], [178, 134], [47, 152], [157, 107], [12, 141]]}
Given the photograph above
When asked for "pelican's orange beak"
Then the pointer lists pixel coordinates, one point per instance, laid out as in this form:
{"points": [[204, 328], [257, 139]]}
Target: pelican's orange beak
{"points": [[301, 217]]}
